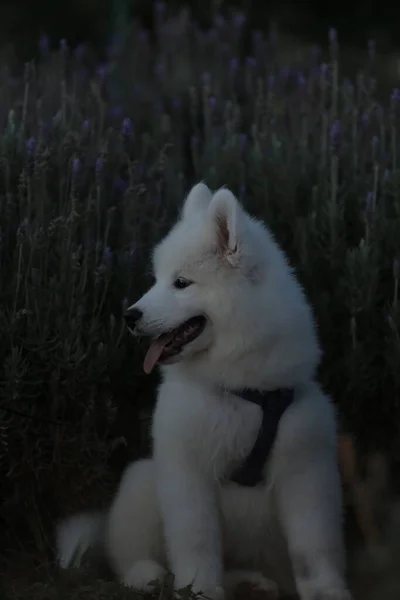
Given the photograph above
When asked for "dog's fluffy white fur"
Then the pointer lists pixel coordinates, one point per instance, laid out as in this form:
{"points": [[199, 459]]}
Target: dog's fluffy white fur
{"points": [[178, 510]]}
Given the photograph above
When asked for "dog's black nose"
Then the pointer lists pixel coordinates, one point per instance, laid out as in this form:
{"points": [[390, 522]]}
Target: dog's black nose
{"points": [[132, 316]]}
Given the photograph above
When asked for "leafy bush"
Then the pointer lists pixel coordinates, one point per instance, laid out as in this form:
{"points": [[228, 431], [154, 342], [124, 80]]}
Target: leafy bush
{"points": [[94, 163]]}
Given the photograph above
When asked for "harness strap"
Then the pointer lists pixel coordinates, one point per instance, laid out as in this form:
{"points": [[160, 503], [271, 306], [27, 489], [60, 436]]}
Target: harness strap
{"points": [[273, 404]]}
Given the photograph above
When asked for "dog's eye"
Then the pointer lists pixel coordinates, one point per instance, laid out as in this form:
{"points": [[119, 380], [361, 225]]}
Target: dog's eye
{"points": [[181, 283]]}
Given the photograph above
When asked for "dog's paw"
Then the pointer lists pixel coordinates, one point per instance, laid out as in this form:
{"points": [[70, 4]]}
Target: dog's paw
{"points": [[145, 576], [202, 593], [328, 595], [259, 582], [215, 593], [250, 584]]}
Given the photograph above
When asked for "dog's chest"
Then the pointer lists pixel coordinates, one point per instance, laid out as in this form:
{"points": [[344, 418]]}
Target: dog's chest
{"points": [[218, 432], [231, 432]]}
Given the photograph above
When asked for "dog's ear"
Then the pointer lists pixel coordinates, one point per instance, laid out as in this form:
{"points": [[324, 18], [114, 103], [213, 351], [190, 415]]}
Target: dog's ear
{"points": [[197, 200], [226, 213]]}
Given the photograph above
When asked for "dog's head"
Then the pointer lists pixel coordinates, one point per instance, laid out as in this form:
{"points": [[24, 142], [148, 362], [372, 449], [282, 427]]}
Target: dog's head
{"points": [[220, 280]]}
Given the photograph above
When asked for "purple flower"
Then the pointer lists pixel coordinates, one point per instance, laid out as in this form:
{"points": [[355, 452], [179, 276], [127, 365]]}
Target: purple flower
{"points": [[159, 69], [212, 101], [364, 119], [44, 44], [224, 48], [160, 7], [396, 269], [324, 70], [137, 89], [273, 36], [239, 20], [80, 51], [206, 78], [301, 80], [86, 125], [83, 75], [99, 165], [46, 129], [31, 145], [63, 47], [125, 304], [76, 166], [369, 204], [101, 72], [131, 250], [177, 104], [386, 176], [284, 74], [234, 65], [243, 141], [127, 127], [219, 21], [251, 61], [391, 322], [335, 132], [107, 255], [395, 98], [168, 29], [371, 48], [332, 35], [116, 112], [113, 47], [120, 185], [212, 34], [257, 39], [348, 85], [271, 80], [316, 52], [159, 106]]}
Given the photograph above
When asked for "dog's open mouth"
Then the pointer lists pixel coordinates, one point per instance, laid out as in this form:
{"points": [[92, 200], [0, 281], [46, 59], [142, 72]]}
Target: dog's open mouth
{"points": [[170, 344]]}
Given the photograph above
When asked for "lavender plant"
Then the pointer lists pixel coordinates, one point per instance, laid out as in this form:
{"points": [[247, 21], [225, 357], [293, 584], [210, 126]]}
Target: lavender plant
{"points": [[94, 162]]}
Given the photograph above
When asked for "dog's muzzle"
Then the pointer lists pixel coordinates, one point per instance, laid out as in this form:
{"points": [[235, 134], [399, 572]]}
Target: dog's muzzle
{"points": [[132, 316]]}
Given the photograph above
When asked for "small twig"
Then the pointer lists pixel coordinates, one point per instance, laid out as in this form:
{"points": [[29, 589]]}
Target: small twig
{"points": [[362, 493], [14, 411]]}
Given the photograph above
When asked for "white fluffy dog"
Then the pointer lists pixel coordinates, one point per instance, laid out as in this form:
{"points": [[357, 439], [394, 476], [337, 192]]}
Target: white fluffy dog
{"points": [[233, 334]]}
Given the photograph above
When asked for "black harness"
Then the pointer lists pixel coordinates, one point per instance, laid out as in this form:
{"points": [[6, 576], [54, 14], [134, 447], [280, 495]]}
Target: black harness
{"points": [[273, 405]]}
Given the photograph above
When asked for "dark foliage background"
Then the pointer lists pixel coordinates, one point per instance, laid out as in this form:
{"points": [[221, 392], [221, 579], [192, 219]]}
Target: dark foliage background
{"points": [[22, 22]]}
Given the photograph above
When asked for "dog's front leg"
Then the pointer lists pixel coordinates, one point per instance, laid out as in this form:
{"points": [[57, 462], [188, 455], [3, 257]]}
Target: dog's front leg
{"points": [[309, 505], [190, 513]]}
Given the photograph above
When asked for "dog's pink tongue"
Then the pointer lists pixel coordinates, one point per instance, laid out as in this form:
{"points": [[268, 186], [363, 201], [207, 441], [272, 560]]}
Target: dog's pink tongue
{"points": [[155, 351]]}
